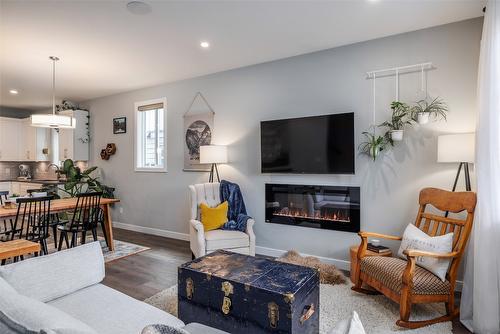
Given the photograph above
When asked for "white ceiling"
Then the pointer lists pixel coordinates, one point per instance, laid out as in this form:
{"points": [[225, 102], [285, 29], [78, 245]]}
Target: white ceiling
{"points": [[104, 49]]}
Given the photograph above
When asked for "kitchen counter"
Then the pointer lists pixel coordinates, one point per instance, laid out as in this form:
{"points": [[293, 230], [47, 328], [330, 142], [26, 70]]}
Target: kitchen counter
{"points": [[49, 182]]}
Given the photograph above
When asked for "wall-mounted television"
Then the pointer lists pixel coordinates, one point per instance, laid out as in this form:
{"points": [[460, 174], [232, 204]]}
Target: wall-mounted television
{"points": [[308, 145]]}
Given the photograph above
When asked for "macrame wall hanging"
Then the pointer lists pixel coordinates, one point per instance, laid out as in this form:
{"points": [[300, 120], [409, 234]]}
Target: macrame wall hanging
{"points": [[198, 131]]}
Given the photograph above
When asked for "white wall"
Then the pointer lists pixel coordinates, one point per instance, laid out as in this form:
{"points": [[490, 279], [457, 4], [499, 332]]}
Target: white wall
{"points": [[319, 83]]}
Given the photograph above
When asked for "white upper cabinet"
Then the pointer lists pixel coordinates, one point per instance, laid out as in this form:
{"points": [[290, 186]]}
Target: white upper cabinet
{"points": [[74, 143], [27, 141], [19, 141], [9, 138], [43, 144]]}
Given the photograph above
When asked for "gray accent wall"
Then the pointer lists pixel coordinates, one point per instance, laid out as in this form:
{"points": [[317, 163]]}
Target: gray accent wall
{"points": [[330, 81]]}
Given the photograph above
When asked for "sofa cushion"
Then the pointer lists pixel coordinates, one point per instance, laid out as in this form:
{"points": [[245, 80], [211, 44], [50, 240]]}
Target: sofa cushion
{"points": [[192, 328], [224, 239], [6, 287], [162, 329], [351, 325], [109, 311], [52, 276], [389, 271], [21, 314]]}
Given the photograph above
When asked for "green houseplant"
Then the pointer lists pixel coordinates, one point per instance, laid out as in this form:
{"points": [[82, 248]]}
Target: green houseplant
{"points": [[401, 117], [372, 145], [78, 182], [423, 110]]}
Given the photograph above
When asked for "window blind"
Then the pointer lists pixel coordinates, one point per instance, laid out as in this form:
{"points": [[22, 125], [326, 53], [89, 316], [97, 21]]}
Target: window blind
{"points": [[153, 106]]}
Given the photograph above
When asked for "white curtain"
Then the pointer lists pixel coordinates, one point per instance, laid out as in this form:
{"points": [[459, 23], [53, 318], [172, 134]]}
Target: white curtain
{"points": [[480, 306]]}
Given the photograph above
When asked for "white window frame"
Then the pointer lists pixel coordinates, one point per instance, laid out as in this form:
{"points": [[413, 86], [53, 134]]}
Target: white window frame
{"points": [[136, 136]]}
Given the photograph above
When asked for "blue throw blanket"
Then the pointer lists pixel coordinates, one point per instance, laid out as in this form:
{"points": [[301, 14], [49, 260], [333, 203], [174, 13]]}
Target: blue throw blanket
{"points": [[237, 213]]}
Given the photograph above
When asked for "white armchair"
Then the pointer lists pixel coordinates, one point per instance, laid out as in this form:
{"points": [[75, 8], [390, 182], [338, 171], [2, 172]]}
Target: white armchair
{"points": [[202, 242]]}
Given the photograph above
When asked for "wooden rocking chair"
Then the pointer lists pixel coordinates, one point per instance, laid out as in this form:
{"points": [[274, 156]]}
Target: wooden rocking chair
{"points": [[403, 281]]}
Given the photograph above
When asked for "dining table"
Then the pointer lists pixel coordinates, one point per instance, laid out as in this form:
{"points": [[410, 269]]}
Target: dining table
{"points": [[68, 204]]}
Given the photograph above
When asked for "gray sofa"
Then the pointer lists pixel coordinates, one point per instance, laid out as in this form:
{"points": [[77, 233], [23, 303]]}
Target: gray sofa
{"points": [[62, 293]]}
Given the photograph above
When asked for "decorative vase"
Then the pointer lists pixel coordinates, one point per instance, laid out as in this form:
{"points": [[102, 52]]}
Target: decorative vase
{"points": [[423, 118], [397, 135]]}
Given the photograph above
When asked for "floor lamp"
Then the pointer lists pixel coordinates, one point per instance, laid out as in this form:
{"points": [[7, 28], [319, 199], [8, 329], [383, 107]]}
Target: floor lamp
{"points": [[213, 154], [457, 148]]}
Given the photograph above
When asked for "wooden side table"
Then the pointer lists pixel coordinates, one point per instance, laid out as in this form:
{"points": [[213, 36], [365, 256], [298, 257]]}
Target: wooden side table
{"points": [[19, 247], [354, 257]]}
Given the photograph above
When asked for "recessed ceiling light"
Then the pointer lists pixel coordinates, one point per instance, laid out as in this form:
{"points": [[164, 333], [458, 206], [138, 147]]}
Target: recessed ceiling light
{"points": [[139, 7], [205, 44], [13, 91]]}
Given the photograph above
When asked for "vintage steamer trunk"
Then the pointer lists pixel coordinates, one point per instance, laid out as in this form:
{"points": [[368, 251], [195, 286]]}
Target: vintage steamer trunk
{"points": [[244, 294]]}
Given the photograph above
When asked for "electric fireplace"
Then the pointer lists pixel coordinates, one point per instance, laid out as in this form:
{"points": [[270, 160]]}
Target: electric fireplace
{"points": [[325, 207]]}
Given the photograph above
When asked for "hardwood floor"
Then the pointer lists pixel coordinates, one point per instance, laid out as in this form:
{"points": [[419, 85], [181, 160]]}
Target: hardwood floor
{"points": [[144, 274]]}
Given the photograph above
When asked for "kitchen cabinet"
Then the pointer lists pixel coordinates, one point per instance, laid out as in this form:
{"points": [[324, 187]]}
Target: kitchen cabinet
{"points": [[74, 143], [43, 144], [15, 188], [19, 188], [27, 141], [19, 141], [5, 186], [9, 138]]}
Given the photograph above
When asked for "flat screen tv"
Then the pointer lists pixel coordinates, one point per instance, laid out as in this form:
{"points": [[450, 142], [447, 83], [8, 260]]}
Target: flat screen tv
{"points": [[308, 145]]}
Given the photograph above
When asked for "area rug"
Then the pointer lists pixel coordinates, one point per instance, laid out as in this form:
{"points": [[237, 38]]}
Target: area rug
{"points": [[122, 249], [328, 273], [378, 313]]}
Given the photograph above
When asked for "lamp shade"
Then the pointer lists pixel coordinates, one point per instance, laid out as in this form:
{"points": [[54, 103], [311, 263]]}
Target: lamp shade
{"points": [[456, 147], [213, 154], [53, 121]]}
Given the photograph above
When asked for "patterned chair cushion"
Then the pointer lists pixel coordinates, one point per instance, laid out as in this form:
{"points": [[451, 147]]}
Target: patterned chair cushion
{"points": [[389, 271]]}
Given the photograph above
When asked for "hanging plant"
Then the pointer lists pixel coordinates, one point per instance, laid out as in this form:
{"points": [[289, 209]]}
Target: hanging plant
{"points": [[372, 145], [423, 110], [401, 117]]}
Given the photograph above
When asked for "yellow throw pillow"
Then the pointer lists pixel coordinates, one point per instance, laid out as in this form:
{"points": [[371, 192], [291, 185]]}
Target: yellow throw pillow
{"points": [[213, 218]]}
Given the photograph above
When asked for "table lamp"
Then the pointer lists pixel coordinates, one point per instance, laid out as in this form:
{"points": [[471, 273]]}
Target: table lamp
{"points": [[213, 154], [457, 148]]}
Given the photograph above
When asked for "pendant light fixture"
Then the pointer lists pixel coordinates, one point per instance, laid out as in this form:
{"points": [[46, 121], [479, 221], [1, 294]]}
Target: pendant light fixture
{"points": [[53, 120]]}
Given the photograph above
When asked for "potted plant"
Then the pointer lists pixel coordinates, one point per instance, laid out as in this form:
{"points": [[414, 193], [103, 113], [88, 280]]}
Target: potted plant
{"points": [[372, 145], [399, 118], [423, 109], [78, 182]]}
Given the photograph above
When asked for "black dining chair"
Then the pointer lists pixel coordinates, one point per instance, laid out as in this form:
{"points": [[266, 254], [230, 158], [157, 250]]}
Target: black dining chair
{"points": [[32, 220], [84, 218], [55, 220], [6, 225]]}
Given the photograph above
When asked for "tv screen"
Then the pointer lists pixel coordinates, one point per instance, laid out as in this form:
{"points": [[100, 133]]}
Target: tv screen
{"points": [[308, 145]]}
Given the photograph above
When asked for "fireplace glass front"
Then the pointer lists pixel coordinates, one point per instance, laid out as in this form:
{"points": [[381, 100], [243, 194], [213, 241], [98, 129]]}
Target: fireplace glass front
{"points": [[325, 207]]}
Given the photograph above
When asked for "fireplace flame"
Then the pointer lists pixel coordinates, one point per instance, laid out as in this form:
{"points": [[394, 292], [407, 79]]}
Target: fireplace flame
{"points": [[326, 215]]}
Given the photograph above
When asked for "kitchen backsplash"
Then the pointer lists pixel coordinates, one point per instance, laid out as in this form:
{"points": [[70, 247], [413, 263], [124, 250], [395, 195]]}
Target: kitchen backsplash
{"points": [[39, 170]]}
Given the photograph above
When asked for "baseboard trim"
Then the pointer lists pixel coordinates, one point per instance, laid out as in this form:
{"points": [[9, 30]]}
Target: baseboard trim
{"points": [[341, 264], [152, 231]]}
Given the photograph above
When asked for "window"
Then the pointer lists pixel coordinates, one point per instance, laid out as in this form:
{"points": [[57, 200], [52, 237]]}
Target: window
{"points": [[150, 136]]}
